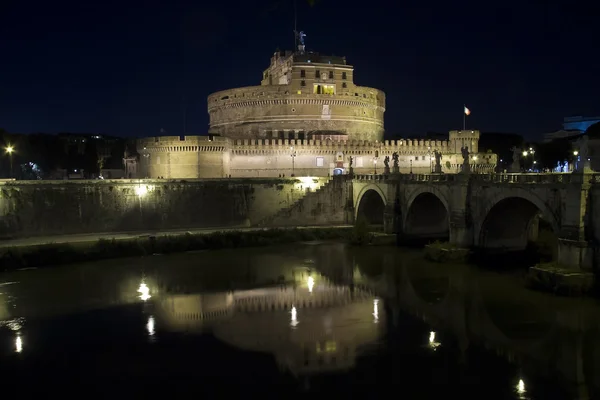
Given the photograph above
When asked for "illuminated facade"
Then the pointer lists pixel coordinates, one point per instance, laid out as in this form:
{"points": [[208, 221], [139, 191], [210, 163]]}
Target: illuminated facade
{"points": [[306, 118]]}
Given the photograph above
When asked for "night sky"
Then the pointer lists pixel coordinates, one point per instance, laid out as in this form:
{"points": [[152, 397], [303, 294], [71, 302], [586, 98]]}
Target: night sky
{"points": [[127, 68]]}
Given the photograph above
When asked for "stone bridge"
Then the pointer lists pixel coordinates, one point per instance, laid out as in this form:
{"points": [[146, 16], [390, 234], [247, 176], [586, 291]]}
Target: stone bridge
{"points": [[490, 211]]}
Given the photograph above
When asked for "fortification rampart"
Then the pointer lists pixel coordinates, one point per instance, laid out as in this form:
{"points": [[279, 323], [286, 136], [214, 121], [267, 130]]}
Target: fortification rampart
{"points": [[40, 208], [275, 111]]}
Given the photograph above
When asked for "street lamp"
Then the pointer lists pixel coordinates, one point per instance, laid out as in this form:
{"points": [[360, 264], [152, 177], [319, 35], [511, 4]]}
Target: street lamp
{"points": [[375, 165], [293, 155], [10, 150], [576, 154], [430, 160]]}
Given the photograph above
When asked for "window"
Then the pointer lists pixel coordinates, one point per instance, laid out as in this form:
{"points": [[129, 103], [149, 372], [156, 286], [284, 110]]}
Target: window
{"points": [[317, 74], [301, 135], [291, 135], [302, 73], [416, 158], [320, 161], [182, 138], [302, 83], [281, 135], [344, 75], [344, 85], [330, 74]]}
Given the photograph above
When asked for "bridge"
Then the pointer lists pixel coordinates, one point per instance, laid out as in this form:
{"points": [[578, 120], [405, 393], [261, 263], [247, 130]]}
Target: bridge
{"points": [[489, 211]]}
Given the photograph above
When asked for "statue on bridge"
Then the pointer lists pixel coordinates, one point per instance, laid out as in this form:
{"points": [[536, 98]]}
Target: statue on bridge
{"points": [[350, 162], [466, 167], [396, 169], [438, 162], [386, 163], [583, 163], [516, 164]]}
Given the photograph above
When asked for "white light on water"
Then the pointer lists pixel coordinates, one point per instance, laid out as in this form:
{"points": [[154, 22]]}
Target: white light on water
{"points": [[294, 315], [144, 292], [18, 344], [521, 387], [311, 283], [432, 343], [150, 326], [376, 310]]}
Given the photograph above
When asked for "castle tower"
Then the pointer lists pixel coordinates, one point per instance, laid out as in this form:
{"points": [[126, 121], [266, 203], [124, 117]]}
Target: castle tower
{"points": [[302, 95], [460, 139]]}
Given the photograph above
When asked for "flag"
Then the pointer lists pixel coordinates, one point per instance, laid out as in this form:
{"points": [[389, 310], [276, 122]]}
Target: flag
{"points": [[467, 111]]}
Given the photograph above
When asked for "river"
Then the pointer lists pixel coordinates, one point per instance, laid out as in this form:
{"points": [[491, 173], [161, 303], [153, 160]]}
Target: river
{"points": [[291, 321]]}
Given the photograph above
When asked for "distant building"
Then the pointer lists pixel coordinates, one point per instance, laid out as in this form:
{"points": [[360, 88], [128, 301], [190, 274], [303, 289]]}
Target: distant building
{"points": [[572, 126]]}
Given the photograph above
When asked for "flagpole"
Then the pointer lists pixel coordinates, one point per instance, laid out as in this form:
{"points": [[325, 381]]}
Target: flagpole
{"points": [[464, 117]]}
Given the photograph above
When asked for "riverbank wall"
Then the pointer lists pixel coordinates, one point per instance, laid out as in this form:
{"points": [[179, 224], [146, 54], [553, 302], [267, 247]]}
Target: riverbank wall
{"points": [[45, 208]]}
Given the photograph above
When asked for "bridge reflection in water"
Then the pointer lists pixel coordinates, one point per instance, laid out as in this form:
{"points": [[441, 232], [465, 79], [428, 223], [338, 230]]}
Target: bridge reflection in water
{"points": [[324, 308]]}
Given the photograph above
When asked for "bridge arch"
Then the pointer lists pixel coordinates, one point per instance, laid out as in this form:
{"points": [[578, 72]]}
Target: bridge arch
{"points": [[427, 214], [510, 219], [370, 204]]}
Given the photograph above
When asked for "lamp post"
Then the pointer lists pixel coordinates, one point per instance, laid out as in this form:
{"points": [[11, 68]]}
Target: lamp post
{"points": [[375, 165], [576, 154], [430, 160], [10, 150], [293, 155]]}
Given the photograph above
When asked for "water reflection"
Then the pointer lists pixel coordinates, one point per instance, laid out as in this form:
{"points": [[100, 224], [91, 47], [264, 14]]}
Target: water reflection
{"points": [[250, 299], [376, 310], [294, 316], [521, 389], [432, 342], [18, 344], [150, 326], [311, 283], [144, 292]]}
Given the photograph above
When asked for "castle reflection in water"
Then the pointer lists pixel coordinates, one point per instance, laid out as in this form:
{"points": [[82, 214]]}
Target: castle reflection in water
{"points": [[319, 308]]}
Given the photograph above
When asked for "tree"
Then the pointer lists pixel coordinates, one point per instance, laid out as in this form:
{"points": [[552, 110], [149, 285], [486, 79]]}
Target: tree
{"points": [[90, 157]]}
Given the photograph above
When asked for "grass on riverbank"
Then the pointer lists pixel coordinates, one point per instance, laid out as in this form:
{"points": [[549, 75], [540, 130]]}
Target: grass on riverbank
{"points": [[66, 253]]}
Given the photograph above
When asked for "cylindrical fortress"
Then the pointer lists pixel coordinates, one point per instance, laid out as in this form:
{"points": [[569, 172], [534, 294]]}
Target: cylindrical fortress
{"points": [[302, 96]]}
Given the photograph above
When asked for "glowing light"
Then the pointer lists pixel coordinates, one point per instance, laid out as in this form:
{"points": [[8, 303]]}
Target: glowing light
{"points": [[432, 343], [524, 154], [150, 326], [311, 283], [474, 157], [141, 190], [375, 310], [18, 344], [309, 182], [9, 149], [144, 292], [575, 153], [521, 387], [294, 315]]}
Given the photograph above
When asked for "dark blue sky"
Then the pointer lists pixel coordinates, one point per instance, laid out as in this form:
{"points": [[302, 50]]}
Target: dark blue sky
{"points": [[125, 67]]}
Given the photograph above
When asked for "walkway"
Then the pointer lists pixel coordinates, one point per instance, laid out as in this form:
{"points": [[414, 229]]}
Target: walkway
{"points": [[92, 237]]}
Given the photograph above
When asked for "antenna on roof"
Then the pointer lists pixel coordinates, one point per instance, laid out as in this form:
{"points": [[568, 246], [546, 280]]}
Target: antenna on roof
{"points": [[295, 25]]}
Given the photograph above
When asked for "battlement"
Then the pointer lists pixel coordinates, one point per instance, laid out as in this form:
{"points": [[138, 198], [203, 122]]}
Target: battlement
{"points": [[417, 146], [250, 96], [167, 144]]}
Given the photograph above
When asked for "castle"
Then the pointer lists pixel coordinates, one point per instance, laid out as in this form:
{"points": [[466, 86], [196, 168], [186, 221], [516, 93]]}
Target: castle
{"points": [[306, 118]]}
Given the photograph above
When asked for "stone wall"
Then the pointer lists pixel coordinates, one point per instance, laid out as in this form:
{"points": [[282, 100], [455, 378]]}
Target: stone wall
{"points": [[75, 207], [263, 111], [328, 205], [174, 157]]}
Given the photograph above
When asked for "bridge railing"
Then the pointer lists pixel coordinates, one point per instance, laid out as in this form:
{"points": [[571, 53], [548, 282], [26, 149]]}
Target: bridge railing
{"points": [[556, 178], [523, 178]]}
